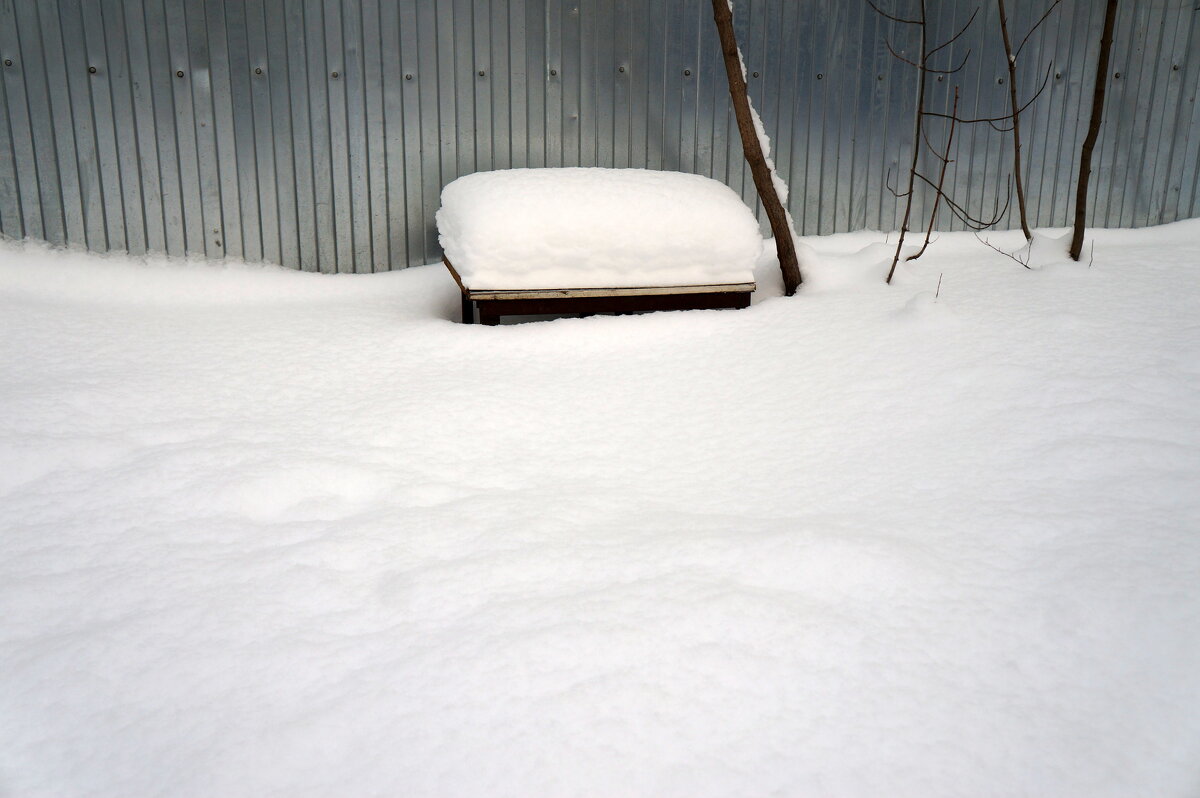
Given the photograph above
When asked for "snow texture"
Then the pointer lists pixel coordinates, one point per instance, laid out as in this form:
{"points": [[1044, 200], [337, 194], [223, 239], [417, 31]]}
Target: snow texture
{"points": [[596, 228], [277, 533]]}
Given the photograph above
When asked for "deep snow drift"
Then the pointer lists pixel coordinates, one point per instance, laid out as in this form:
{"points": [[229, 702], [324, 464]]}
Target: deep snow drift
{"points": [[273, 533]]}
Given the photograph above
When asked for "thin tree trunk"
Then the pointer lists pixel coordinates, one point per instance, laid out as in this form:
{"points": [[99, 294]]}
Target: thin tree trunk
{"points": [[752, 147], [916, 154], [939, 192], [1089, 143], [1016, 120]]}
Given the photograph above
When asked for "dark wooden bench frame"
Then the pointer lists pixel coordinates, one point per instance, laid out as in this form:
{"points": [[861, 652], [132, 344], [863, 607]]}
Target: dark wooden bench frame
{"points": [[492, 303]]}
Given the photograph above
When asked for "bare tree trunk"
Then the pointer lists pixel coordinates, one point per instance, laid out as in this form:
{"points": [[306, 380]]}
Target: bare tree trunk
{"points": [[919, 120], [752, 147], [1089, 143], [1016, 119], [939, 189]]}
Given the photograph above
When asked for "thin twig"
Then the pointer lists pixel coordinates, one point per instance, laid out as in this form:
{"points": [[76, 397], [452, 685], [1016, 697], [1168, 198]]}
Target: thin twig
{"points": [[893, 18], [1006, 117], [956, 36], [1036, 25], [1009, 255], [963, 214], [887, 182], [928, 69]]}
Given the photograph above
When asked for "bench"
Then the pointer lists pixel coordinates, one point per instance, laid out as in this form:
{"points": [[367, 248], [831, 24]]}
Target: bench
{"points": [[494, 303], [591, 240]]}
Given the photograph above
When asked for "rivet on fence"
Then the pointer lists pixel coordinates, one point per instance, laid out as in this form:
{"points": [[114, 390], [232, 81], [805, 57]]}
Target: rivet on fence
{"points": [[179, 73], [92, 69]]}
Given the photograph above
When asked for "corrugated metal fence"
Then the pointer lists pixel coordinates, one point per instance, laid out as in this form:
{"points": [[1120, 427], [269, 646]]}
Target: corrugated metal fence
{"points": [[318, 133]]}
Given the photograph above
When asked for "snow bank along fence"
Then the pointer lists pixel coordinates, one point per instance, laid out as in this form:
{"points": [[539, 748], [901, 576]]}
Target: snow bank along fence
{"points": [[319, 133]]}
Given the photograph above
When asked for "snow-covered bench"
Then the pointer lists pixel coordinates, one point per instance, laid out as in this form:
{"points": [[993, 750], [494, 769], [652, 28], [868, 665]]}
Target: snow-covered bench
{"points": [[582, 240]]}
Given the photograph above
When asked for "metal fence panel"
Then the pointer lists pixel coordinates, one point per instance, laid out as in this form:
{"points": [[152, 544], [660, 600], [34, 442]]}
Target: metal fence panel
{"points": [[319, 133]]}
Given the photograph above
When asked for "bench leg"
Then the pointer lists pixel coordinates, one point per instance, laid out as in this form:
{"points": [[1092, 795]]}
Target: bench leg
{"points": [[489, 312], [468, 310]]}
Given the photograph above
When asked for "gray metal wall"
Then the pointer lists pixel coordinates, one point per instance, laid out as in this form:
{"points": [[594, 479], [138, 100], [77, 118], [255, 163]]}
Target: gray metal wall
{"points": [[318, 133]]}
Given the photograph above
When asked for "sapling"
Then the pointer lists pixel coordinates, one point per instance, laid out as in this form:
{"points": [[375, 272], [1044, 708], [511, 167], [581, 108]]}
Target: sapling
{"points": [[1010, 57], [920, 136]]}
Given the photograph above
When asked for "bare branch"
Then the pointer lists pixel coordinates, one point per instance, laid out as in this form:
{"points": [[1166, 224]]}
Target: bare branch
{"points": [[894, 18], [975, 223], [1042, 88], [888, 183], [995, 119], [897, 55], [965, 121], [956, 36], [992, 119], [961, 64], [932, 149], [1009, 255], [944, 158], [928, 68], [1036, 25]]}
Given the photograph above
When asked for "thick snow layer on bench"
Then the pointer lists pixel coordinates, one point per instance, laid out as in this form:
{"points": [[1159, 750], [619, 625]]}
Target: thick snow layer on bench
{"points": [[596, 228]]}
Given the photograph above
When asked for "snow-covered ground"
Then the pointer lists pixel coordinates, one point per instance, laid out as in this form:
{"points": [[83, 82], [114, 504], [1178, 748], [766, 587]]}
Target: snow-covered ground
{"points": [[273, 533]]}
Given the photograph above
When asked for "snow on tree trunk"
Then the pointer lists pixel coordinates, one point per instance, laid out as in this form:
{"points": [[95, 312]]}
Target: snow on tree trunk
{"points": [[772, 190]]}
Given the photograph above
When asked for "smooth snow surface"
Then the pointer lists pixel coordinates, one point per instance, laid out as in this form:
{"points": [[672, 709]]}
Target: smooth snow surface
{"points": [[596, 228], [274, 533]]}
